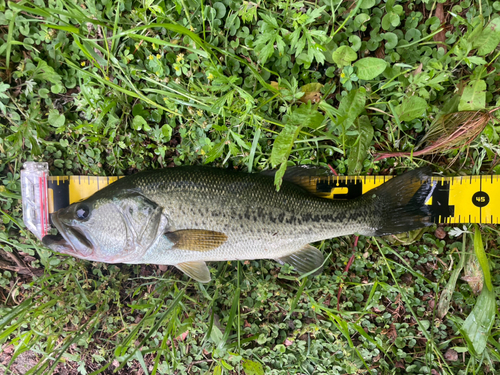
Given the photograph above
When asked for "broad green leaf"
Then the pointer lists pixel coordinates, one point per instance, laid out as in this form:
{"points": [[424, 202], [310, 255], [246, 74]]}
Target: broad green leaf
{"points": [[474, 96], [166, 130], [56, 119], [221, 9], [476, 60], [481, 256], [139, 123], [304, 59], [367, 4], [478, 324], [489, 39], [411, 108], [353, 104], [343, 56], [283, 144], [392, 40], [361, 19], [3, 88], [358, 152], [370, 67], [304, 116], [252, 368]]}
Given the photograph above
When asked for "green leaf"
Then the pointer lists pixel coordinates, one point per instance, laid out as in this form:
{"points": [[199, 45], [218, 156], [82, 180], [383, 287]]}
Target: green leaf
{"points": [[390, 19], [278, 177], [477, 326], [252, 368], [489, 38], [139, 122], [69, 29], [166, 130], [358, 152], [370, 67], [283, 144], [218, 370], [481, 256], [353, 104], [56, 119], [367, 4], [343, 56], [3, 87], [392, 40], [216, 151], [411, 108], [474, 96], [226, 365], [447, 293], [221, 9], [305, 116], [304, 59], [476, 60]]}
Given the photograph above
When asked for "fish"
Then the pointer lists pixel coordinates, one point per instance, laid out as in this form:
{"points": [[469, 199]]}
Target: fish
{"points": [[188, 216]]}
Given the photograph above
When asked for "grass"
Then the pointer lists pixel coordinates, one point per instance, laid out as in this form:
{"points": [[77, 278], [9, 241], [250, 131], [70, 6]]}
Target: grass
{"points": [[111, 88]]}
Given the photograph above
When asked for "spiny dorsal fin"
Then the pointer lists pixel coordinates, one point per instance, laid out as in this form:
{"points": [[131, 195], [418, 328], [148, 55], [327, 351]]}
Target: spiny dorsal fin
{"points": [[305, 260], [305, 176], [196, 270], [196, 239]]}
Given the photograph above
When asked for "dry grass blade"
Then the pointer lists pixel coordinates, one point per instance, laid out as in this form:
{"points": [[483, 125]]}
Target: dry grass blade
{"points": [[450, 131]]}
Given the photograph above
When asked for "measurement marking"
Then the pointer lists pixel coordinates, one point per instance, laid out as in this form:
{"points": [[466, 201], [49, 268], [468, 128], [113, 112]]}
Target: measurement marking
{"points": [[480, 189]]}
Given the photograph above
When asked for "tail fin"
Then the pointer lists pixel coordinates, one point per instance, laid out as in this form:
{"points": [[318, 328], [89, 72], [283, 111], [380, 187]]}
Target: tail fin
{"points": [[400, 202]]}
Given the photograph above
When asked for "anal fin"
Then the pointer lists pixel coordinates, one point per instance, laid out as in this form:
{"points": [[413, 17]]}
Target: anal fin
{"points": [[197, 270], [305, 260]]}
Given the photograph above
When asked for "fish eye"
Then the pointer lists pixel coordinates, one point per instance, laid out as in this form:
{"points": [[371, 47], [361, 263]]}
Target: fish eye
{"points": [[82, 212]]}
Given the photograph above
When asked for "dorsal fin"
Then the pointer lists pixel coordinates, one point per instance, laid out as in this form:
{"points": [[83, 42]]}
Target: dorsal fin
{"points": [[305, 176]]}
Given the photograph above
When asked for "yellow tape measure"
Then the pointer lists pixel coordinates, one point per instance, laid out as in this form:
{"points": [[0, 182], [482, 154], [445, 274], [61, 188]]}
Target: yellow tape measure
{"points": [[466, 199]]}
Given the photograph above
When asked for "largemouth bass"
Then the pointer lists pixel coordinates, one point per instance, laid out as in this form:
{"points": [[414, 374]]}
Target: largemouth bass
{"points": [[186, 216]]}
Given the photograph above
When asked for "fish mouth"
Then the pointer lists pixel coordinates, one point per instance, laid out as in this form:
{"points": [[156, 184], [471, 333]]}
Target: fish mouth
{"points": [[70, 239]]}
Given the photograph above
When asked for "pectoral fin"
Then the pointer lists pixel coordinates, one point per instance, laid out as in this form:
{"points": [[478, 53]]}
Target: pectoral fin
{"points": [[305, 260], [196, 239], [196, 270]]}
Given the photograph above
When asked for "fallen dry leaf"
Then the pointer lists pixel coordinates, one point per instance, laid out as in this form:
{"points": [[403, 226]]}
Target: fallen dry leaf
{"points": [[451, 355]]}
